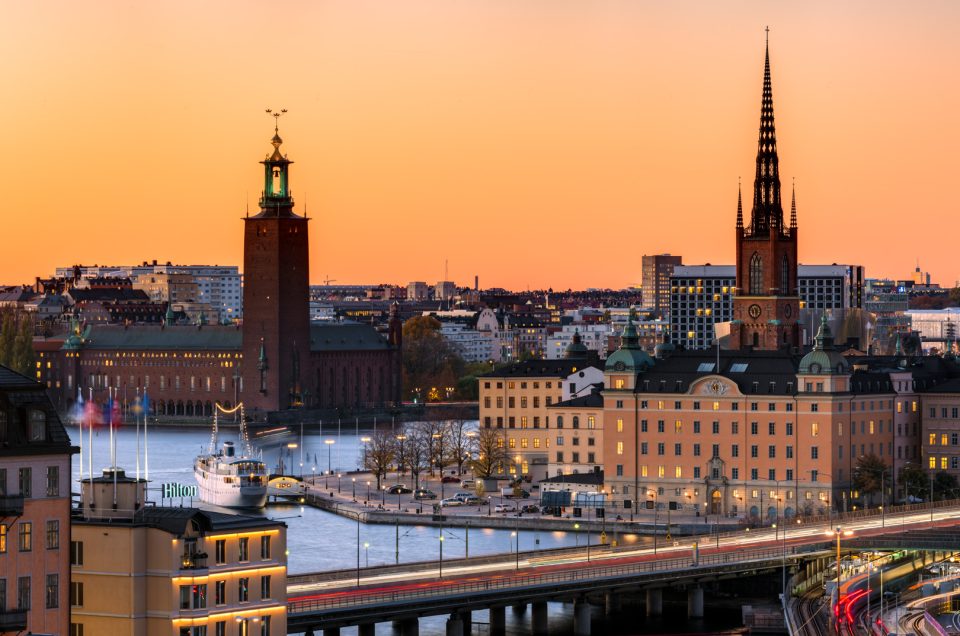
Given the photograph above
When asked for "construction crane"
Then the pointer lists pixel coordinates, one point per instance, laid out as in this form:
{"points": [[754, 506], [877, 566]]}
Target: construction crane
{"points": [[328, 280]]}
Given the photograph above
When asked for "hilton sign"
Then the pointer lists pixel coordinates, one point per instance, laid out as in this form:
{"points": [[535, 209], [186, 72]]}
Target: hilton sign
{"points": [[170, 491]]}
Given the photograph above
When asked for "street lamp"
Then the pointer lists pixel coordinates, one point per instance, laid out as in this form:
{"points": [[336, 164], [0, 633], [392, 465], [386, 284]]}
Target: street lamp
{"points": [[368, 492], [339, 475], [329, 443], [400, 460], [837, 533], [366, 550], [655, 511], [365, 440], [354, 480]]}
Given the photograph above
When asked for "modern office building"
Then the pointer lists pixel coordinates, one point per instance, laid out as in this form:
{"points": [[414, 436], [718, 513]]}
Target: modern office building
{"points": [[655, 276]]}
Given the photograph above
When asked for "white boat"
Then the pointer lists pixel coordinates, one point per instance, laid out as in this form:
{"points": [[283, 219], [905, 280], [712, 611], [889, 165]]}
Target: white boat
{"points": [[229, 479], [286, 486]]}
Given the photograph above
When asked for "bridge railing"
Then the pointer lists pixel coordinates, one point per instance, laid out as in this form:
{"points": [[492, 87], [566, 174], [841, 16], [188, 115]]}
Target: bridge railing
{"points": [[526, 578]]}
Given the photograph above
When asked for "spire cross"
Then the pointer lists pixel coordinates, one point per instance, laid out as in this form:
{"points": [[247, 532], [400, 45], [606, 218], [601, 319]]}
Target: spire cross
{"points": [[768, 35], [276, 118]]}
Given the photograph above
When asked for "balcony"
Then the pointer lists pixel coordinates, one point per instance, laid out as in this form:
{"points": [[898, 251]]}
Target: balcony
{"points": [[11, 505], [13, 620], [194, 561]]}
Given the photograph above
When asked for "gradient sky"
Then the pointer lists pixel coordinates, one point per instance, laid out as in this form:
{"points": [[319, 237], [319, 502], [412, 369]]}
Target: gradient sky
{"points": [[534, 143]]}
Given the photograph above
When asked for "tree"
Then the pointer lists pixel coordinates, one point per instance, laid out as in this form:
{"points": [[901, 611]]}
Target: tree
{"points": [[462, 443], [24, 358], [870, 475], [381, 453], [915, 483], [8, 332], [429, 362], [491, 453], [416, 452], [945, 486]]}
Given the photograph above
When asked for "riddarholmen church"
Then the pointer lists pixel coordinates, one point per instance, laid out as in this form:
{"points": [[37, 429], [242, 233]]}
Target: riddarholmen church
{"points": [[276, 360]]}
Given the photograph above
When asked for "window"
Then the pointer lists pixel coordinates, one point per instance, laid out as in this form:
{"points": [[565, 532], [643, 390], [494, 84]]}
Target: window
{"points": [[243, 590], [735, 473], [619, 448], [619, 470], [789, 452], [220, 628], [265, 626], [696, 450], [220, 592], [76, 594], [814, 429], [754, 428], [661, 448], [53, 481], [772, 428], [754, 451], [814, 408], [735, 450], [814, 452], [26, 536], [37, 425], [643, 426], [26, 482], [753, 405], [678, 449], [221, 551], [772, 451], [643, 448], [265, 586], [53, 534], [244, 544], [660, 426], [619, 424], [76, 553], [23, 593], [678, 427], [789, 428], [756, 275], [53, 591]]}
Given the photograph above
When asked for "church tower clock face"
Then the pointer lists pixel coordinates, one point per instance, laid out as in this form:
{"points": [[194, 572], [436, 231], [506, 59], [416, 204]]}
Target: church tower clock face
{"points": [[788, 310], [754, 311]]}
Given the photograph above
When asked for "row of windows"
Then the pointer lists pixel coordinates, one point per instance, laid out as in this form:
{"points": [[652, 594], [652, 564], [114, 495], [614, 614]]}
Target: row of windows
{"points": [[512, 385], [526, 422], [25, 482], [195, 596], [25, 535], [574, 458], [954, 439], [52, 593]]}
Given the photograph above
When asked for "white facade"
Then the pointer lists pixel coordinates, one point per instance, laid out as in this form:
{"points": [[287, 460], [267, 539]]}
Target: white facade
{"points": [[936, 324], [594, 337], [580, 383], [472, 345]]}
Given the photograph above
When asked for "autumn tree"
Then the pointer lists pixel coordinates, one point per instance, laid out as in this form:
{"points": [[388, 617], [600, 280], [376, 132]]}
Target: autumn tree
{"points": [[491, 453], [945, 486], [914, 481], [430, 364]]}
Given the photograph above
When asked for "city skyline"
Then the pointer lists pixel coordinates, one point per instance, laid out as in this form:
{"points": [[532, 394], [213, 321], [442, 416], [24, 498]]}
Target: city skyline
{"points": [[499, 132]]}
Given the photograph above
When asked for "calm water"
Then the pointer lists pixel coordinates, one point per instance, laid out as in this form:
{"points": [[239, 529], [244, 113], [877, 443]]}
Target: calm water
{"points": [[319, 540]]}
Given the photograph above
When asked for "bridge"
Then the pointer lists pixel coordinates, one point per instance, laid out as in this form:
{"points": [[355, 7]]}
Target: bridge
{"points": [[403, 594]]}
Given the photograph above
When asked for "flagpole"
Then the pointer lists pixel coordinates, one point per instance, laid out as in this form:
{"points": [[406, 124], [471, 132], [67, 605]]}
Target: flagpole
{"points": [[146, 451], [113, 449], [80, 413], [137, 418], [90, 434]]}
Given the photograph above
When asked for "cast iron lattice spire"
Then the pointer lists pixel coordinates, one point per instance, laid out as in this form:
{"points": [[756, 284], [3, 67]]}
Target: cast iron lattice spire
{"points": [[739, 206], [793, 206], [767, 212]]}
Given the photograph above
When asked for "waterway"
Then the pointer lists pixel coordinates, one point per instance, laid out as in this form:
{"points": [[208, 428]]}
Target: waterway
{"points": [[319, 540]]}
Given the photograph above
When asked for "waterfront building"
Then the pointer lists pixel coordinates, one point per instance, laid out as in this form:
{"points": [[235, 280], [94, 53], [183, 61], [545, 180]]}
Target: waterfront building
{"points": [[34, 510], [154, 570], [656, 270]]}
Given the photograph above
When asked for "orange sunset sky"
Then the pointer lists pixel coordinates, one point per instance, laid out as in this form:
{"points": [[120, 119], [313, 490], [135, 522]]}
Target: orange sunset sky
{"points": [[532, 142]]}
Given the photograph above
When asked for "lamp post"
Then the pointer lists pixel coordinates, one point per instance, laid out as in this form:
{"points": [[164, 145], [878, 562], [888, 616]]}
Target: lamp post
{"points": [[400, 460], [368, 492], [354, 480], [366, 550], [330, 443], [654, 493], [339, 475], [365, 440], [838, 532]]}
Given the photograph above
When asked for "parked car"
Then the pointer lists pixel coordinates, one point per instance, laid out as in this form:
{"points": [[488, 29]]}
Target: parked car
{"points": [[449, 479], [510, 493], [399, 489], [471, 501], [423, 493], [530, 508], [463, 495], [451, 501], [505, 507], [468, 483]]}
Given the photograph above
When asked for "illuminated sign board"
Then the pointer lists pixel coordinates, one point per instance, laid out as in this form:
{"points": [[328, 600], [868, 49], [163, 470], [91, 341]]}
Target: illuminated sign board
{"points": [[169, 491]]}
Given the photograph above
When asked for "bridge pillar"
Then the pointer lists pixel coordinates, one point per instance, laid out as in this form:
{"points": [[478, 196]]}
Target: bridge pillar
{"points": [[654, 602], [581, 617], [408, 627], [330, 631], [454, 625], [366, 629], [466, 617], [539, 610], [519, 608], [695, 602], [498, 621], [611, 603]]}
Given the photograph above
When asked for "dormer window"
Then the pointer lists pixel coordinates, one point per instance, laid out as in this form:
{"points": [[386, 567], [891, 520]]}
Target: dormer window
{"points": [[37, 426]]}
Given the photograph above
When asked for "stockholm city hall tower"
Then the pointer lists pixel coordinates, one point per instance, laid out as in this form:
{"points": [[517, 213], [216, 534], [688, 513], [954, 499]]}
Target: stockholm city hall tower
{"points": [[767, 304], [276, 291]]}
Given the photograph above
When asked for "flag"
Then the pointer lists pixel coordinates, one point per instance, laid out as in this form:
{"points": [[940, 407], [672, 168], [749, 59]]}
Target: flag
{"points": [[116, 416], [145, 404]]}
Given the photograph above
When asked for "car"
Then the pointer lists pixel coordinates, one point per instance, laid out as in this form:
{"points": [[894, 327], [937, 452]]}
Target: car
{"points": [[468, 483], [530, 508], [399, 489], [471, 501], [463, 495], [450, 479], [451, 501], [510, 493], [550, 510], [505, 507], [423, 493]]}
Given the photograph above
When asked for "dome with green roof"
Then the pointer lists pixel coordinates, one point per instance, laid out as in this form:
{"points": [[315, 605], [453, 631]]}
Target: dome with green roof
{"points": [[824, 359], [576, 350], [630, 356]]}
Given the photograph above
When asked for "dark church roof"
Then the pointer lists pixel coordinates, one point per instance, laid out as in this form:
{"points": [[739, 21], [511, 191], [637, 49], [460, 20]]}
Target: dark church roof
{"points": [[108, 294], [593, 400], [541, 368], [345, 336]]}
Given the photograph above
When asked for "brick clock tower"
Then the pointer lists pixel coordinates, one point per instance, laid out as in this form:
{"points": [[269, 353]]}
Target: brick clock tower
{"points": [[276, 290], [766, 305]]}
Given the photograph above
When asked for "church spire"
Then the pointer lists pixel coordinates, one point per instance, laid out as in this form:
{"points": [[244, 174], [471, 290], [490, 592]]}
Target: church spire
{"points": [[767, 212], [276, 198], [793, 206], [739, 206]]}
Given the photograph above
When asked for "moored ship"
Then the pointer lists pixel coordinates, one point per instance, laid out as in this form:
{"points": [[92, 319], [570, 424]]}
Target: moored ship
{"points": [[227, 478]]}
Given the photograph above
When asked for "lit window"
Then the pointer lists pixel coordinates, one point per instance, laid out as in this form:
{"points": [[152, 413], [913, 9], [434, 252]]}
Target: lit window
{"points": [[619, 448], [814, 429], [619, 425]]}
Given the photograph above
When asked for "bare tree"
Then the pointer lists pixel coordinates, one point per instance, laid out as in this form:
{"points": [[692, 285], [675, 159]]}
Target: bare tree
{"points": [[417, 453], [491, 453], [462, 443], [380, 454], [437, 437]]}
